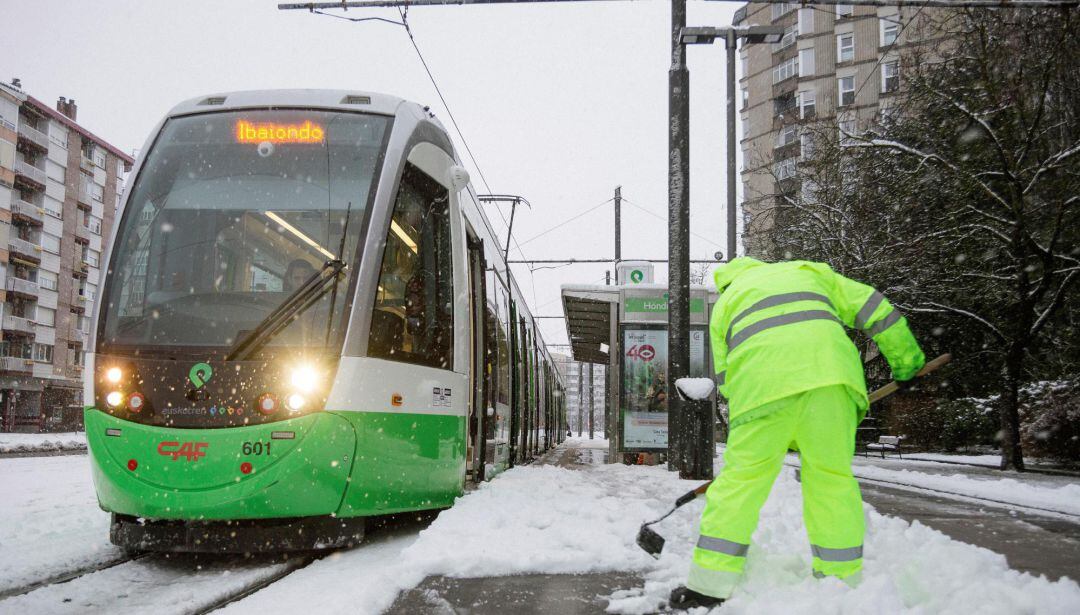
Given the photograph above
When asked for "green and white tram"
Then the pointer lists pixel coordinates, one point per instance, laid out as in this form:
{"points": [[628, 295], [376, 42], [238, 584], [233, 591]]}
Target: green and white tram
{"points": [[306, 321]]}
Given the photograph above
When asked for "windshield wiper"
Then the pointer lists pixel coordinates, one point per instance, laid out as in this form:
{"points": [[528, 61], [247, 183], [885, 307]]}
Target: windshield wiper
{"points": [[301, 299]]}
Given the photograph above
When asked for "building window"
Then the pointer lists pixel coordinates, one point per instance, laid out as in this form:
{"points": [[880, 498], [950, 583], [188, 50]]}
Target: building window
{"points": [[787, 135], [92, 222], [806, 62], [845, 47], [75, 355], [45, 316], [788, 39], [786, 70], [97, 192], [847, 131], [784, 104], [413, 319], [43, 353], [92, 257], [745, 97], [890, 76], [782, 8], [844, 10], [807, 104], [806, 21], [847, 90], [889, 31], [50, 243], [806, 145], [785, 169], [99, 157], [54, 208], [47, 279]]}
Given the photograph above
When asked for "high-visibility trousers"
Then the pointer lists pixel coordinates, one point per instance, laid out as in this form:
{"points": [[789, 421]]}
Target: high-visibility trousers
{"points": [[821, 422]]}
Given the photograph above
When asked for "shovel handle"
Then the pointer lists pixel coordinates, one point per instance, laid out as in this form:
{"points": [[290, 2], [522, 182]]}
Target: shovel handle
{"points": [[893, 387]]}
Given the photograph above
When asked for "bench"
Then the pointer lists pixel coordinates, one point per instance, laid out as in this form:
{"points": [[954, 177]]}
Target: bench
{"points": [[883, 444]]}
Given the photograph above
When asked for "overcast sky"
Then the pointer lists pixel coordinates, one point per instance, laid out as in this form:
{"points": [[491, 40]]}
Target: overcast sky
{"points": [[559, 102]]}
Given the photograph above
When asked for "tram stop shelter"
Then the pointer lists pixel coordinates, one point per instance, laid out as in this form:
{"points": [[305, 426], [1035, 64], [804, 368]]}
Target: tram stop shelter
{"points": [[625, 327]]}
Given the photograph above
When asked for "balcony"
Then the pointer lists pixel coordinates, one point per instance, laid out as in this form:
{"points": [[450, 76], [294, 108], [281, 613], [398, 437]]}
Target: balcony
{"points": [[16, 364], [77, 335], [78, 301], [25, 288], [24, 249], [30, 172], [82, 234], [86, 164], [33, 135], [79, 267], [84, 196], [28, 212], [15, 324]]}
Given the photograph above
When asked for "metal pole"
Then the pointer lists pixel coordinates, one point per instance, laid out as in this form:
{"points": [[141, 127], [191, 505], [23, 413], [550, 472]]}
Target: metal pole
{"points": [[592, 415], [731, 43], [678, 236], [580, 399], [618, 226]]}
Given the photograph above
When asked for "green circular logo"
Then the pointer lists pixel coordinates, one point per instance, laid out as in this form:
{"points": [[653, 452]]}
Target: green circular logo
{"points": [[636, 276], [200, 374]]}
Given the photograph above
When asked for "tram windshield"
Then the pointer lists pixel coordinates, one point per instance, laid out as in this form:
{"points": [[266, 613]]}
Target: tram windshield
{"points": [[230, 213]]}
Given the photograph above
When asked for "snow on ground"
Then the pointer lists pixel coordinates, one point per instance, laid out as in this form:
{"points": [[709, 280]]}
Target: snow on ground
{"points": [[34, 442], [159, 585], [50, 522], [1063, 499], [546, 519]]}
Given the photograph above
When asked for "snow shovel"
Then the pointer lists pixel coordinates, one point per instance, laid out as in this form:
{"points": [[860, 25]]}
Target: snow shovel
{"points": [[653, 543]]}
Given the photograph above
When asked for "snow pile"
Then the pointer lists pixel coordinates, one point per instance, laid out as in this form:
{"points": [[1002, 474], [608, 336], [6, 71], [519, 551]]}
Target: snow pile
{"points": [[909, 568], [696, 388], [1064, 499], [547, 519], [51, 520], [35, 442]]}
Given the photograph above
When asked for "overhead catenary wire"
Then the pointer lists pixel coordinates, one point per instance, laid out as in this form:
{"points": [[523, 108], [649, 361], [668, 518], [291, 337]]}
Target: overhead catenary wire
{"points": [[658, 216], [567, 221]]}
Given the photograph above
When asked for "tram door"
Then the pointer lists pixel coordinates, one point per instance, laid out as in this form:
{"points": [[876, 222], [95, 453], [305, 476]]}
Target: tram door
{"points": [[475, 452]]}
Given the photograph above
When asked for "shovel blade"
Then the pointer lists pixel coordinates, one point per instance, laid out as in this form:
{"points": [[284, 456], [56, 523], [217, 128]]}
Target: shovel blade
{"points": [[650, 541]]}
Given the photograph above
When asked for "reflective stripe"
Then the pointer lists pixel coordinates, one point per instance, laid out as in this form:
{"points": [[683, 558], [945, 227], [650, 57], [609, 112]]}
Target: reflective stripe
{"points": [[836, 555], [884, 323], [867, 310], [777, 321], [720, 545], [720, 378], [774, 301]]}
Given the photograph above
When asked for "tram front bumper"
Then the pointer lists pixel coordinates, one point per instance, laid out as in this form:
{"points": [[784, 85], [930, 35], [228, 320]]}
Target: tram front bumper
{"points": [[293, 468]]}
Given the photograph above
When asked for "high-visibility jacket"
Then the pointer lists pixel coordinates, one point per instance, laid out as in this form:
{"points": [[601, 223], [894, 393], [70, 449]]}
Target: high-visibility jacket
{"points": [[776, 331]]}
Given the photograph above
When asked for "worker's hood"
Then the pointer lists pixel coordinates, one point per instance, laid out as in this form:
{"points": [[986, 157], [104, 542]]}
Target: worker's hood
{"points": [[726, 274]]}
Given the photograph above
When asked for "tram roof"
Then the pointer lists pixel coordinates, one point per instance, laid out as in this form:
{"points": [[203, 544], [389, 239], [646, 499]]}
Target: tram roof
{"points": [[356, 100]]}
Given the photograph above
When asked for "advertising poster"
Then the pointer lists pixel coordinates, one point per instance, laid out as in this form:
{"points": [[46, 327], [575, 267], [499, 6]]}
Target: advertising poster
{"points": [[644, 394]]}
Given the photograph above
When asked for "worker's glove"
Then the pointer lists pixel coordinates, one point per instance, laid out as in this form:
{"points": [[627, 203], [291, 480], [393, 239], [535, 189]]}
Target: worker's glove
{"points": [[906, 386]]}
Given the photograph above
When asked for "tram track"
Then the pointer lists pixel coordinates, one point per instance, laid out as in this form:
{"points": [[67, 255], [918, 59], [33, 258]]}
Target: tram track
{"points": [[963, 496], [123, 585], [71, 575]]}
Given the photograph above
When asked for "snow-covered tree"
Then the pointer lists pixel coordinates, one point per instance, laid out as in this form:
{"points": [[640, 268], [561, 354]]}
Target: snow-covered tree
{"points": [[962, 201]]}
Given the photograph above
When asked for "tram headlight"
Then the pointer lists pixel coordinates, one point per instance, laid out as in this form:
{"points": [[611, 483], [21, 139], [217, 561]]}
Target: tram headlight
{"points": [[114, 399], [114, 374], [295, 402], [304, 378]]}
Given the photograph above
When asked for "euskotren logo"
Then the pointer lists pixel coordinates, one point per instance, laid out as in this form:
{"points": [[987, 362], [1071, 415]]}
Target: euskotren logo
{"points": [[200, 374]]}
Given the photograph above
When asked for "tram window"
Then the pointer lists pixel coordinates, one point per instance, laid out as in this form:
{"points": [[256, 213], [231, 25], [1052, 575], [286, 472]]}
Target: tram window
{"points": [[413, 319]]}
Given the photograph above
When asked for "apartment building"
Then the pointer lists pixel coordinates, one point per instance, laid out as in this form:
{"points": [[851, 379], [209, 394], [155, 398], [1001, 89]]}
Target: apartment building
{"points": [[576, 375], [838, 63], [59, 190]]}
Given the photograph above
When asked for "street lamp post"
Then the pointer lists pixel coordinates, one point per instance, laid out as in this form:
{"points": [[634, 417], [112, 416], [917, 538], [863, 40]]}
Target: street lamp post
{"points": [[730, 36], [693, 428]]}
